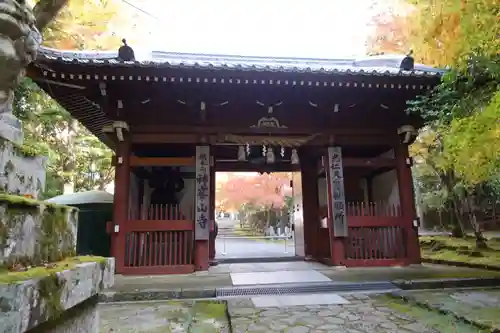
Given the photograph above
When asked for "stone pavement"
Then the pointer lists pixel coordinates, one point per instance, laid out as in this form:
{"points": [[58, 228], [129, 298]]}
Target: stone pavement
{"points": [[352, 313], [361, 315], [478, 306], [164, 317]]}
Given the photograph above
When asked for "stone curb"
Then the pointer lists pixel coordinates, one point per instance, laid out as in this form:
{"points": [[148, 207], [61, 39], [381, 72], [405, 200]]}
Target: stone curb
{"points": [[155, 295], [436, 308], [189, 293], [447, 283], [460, 264]]}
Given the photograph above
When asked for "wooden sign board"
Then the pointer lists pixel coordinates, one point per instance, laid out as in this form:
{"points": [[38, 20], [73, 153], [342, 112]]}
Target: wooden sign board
{"points": [[202, 199], [337, 193]]}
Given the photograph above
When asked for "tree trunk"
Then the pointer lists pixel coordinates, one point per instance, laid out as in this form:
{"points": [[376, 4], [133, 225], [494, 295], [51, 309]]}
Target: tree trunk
{"points": [[46, 10]]}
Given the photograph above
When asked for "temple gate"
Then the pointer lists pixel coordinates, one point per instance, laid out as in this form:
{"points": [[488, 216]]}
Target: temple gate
{"points": [[173, 120]]}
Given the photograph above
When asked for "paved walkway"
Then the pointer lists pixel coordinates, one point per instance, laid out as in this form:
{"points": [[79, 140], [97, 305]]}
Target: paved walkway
{"points": [[361, 314], [340, 313], [229, 248], [477, 306]]}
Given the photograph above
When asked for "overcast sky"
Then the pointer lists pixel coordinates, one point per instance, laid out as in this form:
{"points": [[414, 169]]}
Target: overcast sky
{"points": [[312, 28]]}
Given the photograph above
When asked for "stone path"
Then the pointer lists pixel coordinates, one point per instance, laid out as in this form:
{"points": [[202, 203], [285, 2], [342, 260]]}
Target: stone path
{"points": [[361, 315], [478, 306], [164, 317], [352, 313]]}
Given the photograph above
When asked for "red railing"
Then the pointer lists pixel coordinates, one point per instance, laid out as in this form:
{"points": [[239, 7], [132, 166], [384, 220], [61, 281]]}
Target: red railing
{"points": [[158, 213], [159, 239], [376, 236]]}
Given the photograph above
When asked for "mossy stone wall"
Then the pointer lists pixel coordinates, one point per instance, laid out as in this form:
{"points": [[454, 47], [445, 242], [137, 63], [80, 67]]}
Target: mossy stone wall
{"points": [[21, 171], [33, 232]]}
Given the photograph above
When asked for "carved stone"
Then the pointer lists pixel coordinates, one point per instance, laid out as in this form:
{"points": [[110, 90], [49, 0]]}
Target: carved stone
{"points": [[19, 42]]}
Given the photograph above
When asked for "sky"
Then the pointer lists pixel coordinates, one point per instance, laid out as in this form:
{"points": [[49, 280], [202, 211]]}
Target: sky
{"points": [[312, 28]]}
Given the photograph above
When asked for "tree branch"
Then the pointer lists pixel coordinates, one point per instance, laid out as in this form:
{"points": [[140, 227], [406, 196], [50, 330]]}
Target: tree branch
{"points": [[46, 10]]}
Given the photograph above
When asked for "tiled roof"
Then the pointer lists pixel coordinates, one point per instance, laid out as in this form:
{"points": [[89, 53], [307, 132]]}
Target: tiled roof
{"points": [[385, 65]]}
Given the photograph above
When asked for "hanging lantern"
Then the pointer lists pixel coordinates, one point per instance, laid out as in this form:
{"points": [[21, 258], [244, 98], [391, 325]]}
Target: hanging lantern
{"points": [[270, 155], [295, 157], [242, 156]]}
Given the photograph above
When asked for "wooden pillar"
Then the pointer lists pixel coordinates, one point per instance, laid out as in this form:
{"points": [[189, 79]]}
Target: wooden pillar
{"points": [[120, 203], [202, 208], [309, 174], [337, 219], [407, 202], [212, 210]]}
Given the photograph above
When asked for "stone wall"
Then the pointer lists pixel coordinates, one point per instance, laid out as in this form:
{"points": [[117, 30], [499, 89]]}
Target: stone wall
{"points": [[20, 172], [46, 301], [32, 232]]}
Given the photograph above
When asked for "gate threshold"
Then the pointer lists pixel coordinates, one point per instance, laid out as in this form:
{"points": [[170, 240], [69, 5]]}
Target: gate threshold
{"points": [[255, 260]]}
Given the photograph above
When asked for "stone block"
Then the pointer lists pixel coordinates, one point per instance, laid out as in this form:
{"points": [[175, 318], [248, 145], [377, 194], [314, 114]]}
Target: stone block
{"points": [[20, 173], [32, 232], [31, 303]]}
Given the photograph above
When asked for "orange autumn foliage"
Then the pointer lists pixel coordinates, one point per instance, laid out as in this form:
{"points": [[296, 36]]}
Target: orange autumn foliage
{"points": [[267, 190]]}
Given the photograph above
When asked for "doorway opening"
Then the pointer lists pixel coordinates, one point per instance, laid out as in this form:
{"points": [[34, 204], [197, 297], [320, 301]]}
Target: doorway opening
{"points": [[259, 217]]}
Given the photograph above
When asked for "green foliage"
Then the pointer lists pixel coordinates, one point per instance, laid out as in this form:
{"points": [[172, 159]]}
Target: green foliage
{"points": [[74, 154], [464, 111]]}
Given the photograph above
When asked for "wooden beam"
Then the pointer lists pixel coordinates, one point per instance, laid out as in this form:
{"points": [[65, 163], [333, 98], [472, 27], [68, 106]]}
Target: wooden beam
{"points": [[375, 163], [161, 161], [164, 138], [262, 131], [249, 167]]}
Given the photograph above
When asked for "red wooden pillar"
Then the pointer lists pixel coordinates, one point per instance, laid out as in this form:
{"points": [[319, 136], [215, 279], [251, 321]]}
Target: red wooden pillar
{"points": [[407, 201], [120, 203], [309, 174]]}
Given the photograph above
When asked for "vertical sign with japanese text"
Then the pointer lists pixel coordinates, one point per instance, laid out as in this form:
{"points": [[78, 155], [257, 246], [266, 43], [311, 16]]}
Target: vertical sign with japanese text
{"points": [[202, 200], [337, 201]]}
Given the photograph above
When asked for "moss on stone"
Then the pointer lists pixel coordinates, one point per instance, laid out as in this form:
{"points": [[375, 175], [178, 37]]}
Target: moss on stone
{"points": [[210, 309], [56, 237], [50, 289], [7, 277], [23, 203], [24, 150], [439, 322]]}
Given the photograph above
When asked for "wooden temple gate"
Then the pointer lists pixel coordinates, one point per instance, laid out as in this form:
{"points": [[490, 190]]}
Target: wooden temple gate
{"points": [[342, 126]]}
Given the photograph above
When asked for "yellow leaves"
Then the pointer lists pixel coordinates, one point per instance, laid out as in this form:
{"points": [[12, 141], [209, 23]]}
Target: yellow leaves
{"points": [[472, 144], [90, 24]]}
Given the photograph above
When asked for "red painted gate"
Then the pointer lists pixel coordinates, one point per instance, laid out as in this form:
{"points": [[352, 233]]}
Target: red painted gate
{"points": [[158, 239]]}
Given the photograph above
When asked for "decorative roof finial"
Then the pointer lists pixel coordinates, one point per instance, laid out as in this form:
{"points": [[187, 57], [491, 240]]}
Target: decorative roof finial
{"points": [[408, 63], [125, 52]]}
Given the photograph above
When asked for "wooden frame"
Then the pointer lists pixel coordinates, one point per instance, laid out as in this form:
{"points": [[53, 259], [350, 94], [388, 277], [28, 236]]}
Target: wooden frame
{"points": [[161, 161]]}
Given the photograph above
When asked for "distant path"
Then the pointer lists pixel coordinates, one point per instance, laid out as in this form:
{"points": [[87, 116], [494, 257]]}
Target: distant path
{"points": [[250, 248], [242, 247]]}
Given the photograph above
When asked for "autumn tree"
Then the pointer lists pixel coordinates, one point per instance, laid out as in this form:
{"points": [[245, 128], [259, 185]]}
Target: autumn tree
{"points": [[454, 152], [76, 158], [261, 199]]}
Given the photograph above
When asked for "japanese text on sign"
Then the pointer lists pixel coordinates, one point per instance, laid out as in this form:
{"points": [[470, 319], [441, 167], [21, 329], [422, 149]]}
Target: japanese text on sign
{"points": [[337, 200], [202, 213]]}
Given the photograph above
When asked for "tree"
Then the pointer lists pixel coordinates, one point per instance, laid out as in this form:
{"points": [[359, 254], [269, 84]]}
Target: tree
{"points": [[261, 199], [455, 148], [390, 31], [76, 158]]}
